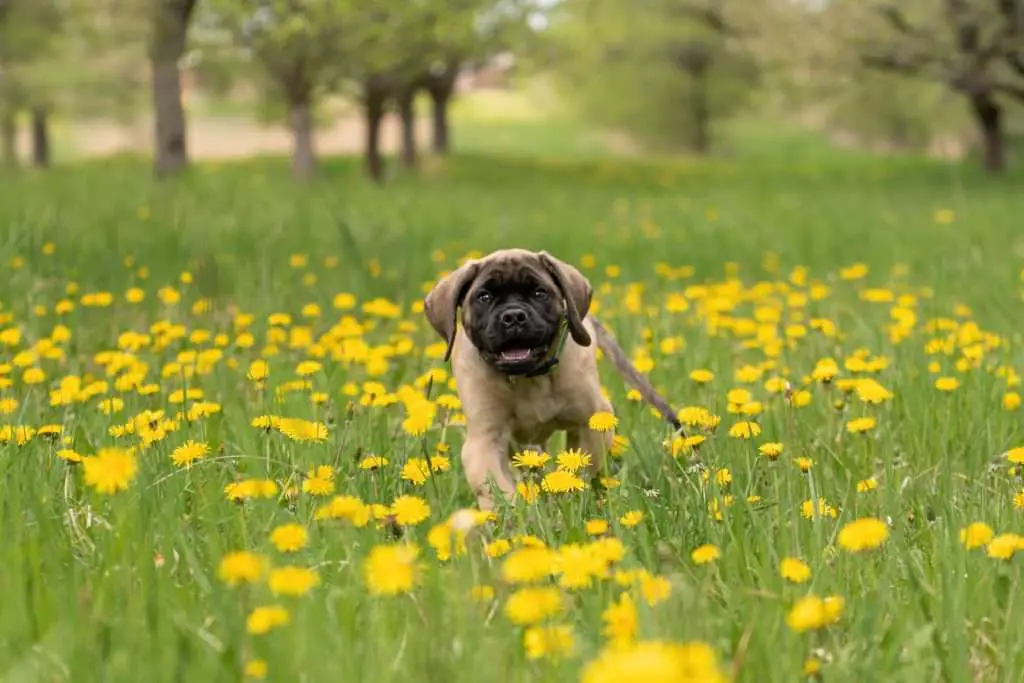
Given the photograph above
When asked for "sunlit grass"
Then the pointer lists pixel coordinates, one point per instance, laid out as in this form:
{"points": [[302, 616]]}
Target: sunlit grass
{"points": [[227, 426]]}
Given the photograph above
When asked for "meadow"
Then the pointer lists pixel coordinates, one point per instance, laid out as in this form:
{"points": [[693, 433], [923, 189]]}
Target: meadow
{"points": [[230, 445]]}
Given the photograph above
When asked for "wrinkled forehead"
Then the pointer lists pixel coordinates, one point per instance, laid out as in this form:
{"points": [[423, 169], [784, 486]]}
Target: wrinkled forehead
{"points": [[513, 273]]}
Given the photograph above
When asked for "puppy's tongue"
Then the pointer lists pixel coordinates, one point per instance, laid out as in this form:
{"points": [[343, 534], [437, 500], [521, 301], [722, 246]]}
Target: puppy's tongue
{"points": [[515, 355]]}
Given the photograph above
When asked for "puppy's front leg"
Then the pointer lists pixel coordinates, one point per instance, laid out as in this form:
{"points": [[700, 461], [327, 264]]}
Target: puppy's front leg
{"points": [[485, 458]]}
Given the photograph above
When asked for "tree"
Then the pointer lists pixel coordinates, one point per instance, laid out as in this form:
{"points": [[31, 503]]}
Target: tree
{"points": [[462, 32], [299, 46], [971, 47], [665, 71], [169, 33], [29, 35]]}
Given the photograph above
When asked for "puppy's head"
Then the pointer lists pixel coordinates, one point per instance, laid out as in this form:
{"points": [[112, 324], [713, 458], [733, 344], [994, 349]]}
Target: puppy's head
{"points": [[512, 303]]}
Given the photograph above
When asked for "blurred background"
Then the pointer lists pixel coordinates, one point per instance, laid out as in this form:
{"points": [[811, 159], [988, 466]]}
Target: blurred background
{"points": [[400, 82]]}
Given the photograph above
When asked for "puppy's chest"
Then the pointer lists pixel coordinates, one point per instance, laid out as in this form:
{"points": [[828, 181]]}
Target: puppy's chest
{"points": [[541, 405]]}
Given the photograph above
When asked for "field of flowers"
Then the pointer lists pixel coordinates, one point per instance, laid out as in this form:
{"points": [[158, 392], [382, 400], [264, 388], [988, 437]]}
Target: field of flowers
{"points": [[230, 447]]}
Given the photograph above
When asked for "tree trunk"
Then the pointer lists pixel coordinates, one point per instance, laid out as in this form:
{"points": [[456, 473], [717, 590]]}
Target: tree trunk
{"points": [[303, 152], [170, 149], [700, 140], [989, 116], [375, 100], [170, 29], [9, 139], [407, 114], [40, 137], [441, 88]]}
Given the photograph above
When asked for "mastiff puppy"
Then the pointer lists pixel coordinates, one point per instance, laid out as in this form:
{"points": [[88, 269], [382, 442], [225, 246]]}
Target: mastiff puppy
{"points": [[524, 361]]}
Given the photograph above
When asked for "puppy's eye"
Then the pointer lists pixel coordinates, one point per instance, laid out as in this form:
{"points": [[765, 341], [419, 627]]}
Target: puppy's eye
{"points": [[540, 294], [484, 296]]}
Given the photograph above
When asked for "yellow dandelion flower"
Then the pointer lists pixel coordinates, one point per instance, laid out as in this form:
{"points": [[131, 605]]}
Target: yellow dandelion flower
{"points": [[631, 518], [259, 370], [825, 370], [110, 470], [561, 481], [1004, 546], [654, 589], [795, 570], [307, 368], [418, 422], [318, 486], [498, 547], [530, 459], [256, 668], [250, 488], [812, 667], [870, 391], [347, 507], [572, 460], [416, 470], [69, 456], [548, 641], [410, 510], [800, 398], [301, 430], [810, 509], [723, 477], [529, 564], [655, 661], [241, 566], [292, 580], [187, 453], [288, 538], [947, 384], [702, 376], [532, 605], [705, 554], [373, 462], [529, 491], [603, 421], [744, 430], [771, 450], [264, 618], [805, 464], [596, 527], [863, 534], [812, 612], [976, 535], [865, 485], [620, 621], [392, 569], [860, 425]]}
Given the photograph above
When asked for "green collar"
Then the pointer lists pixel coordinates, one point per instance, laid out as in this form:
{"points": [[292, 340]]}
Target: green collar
{"points": [[552, 356]]}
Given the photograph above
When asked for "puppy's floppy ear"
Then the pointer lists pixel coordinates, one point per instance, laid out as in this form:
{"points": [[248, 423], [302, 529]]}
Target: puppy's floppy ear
{"points": [[441, 305], [576, 291]]}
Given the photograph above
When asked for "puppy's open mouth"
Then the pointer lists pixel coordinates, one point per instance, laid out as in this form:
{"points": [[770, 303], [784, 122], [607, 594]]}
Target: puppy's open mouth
{"points": [[516, 355]]}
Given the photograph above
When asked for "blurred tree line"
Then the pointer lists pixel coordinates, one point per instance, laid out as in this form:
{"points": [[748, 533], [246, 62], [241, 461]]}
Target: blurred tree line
{"points": [[90, 57], [903, 72], [668, 72]]}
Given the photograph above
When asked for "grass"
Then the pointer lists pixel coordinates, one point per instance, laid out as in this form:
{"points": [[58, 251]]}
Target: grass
{"points": [[128, 586]]}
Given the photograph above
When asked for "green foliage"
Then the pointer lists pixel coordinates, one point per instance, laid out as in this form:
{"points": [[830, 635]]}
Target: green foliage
{"points": [[665, 76], [893, 109], [44, 45], [299, 45]]}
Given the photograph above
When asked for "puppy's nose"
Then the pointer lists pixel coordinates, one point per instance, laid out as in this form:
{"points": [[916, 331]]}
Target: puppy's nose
{"points": [[513, 317]]}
